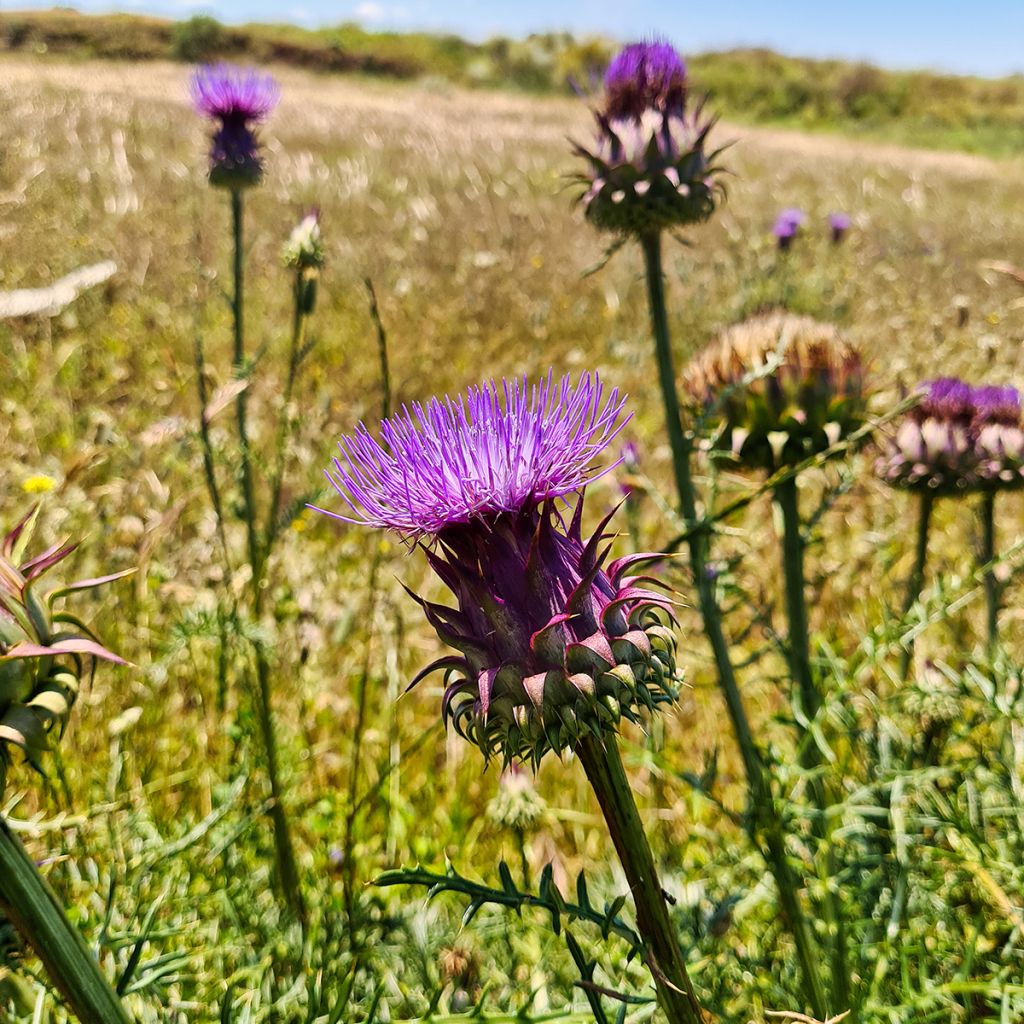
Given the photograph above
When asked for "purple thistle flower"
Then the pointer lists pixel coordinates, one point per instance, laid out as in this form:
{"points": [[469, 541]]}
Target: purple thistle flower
{"points": [[958, 439], [237, 98], [994, 404], [645, 76], [787, 225], [839, 224], [552, 642], [475, 457]]}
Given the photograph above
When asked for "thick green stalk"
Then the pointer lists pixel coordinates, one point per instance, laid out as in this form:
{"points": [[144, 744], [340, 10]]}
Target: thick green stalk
{"points": [[916, 581], [798, 639], [287, 869], [29, 903], [799, 653], [241, 402], [988, 554], [603, 767], [764, 823]]}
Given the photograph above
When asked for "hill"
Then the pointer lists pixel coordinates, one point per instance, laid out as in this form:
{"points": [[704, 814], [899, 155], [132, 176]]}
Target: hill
{"points": [[920, 108]]}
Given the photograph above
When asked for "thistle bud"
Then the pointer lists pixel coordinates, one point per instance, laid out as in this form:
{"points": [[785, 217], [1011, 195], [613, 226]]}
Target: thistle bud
{"points": [[553, 642], [648, 167], [41, 656], [303, 253], [517, 803], [775, 390]]}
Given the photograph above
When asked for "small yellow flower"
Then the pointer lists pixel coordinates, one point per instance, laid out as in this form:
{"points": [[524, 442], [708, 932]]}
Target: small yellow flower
{"points": [[537, 261], [38, 484]]}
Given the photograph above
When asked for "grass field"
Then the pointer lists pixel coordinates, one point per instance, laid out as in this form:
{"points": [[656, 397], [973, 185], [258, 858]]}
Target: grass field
{"points": [[456, 205]]}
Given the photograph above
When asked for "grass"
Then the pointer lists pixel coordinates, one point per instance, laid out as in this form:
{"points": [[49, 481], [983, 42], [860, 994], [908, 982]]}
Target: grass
{"points": [[453, 203]]}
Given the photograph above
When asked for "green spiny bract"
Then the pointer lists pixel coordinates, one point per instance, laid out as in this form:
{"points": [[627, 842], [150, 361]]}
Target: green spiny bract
{"points": [[554, 645], [650, 173], [42, 650], [775, 390]]}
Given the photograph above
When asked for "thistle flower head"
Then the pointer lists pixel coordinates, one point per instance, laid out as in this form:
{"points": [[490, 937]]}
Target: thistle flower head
{"points": [[787, 226], [839, 224], [645, 76], [552, 641], [495, 450], [776, 389], [957, 439], [651, 172], [236, 99], [41, 659]]}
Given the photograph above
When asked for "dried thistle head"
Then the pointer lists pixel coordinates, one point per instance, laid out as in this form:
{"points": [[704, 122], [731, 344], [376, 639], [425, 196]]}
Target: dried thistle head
{"points": [[776, 389], [43, 649]]}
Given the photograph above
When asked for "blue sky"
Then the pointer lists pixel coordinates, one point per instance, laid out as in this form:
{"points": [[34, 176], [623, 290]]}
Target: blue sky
{"points": [[973, 36]]}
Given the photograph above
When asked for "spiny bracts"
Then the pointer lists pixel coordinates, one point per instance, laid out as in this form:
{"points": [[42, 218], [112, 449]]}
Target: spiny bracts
{"points": [[775, 390], [553, 641], [651, 173], [42, 651]]}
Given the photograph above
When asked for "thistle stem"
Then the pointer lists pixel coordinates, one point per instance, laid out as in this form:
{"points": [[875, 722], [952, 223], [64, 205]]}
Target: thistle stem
{"points": [[29, 903], [916, 581], [241, 402], [798, 640], [287, 870], [787, 500], [300, 321], [603, 767], [988, 554], [764, 826]]}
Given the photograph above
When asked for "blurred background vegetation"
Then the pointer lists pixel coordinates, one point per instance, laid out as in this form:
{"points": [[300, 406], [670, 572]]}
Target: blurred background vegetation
{"points": [[916, 107]]}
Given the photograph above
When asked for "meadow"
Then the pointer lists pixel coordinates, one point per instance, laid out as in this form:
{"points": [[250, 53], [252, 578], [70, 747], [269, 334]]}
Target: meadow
{"points": [[456, 204]]}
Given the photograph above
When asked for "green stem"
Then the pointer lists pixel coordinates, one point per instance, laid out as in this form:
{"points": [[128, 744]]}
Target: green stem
{"points": [[29, 903], [798, 640], [765, 826], [799, 651], [287, 868], [603, 767], [241, 402], [988, 554], [916, 581]]}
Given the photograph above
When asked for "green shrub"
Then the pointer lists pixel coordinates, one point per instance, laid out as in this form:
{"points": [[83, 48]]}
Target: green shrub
{"points": [[199, 39]]}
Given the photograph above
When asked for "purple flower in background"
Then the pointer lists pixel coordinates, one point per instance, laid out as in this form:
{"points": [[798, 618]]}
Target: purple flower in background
{"points": [[787, 225], [839, 224], [645, 76], [997, 405], [551, 640], [958, 439], [237, 99]]}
